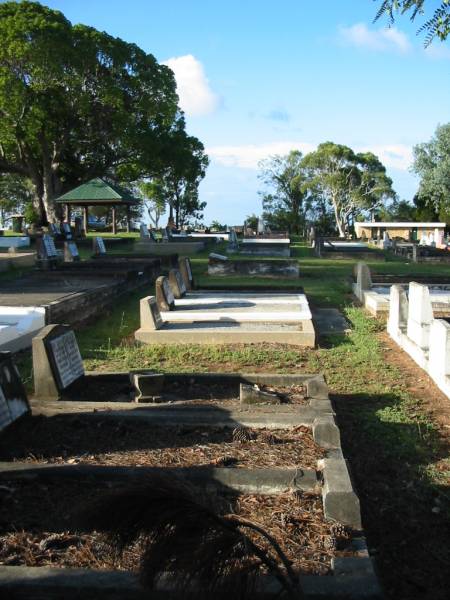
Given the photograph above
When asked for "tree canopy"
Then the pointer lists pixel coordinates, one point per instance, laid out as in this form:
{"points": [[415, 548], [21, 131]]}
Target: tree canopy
{"points": [[348, 182], [437, 24], [285, 205], [76, 103], [432, 165]]}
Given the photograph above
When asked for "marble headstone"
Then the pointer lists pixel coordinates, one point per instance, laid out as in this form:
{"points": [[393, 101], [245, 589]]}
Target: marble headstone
{"points": [[13, 398]]}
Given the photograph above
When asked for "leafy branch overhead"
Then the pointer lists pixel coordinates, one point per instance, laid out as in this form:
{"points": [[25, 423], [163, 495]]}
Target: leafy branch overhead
{"points": [[436, 26], [77, 103]]}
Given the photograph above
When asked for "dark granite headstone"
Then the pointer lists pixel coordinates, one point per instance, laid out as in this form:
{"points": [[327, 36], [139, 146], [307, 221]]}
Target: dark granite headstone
{"points": [[13, 398], [164, 296], [79, 231], [57, 361], [176, 283], [49, 247]]}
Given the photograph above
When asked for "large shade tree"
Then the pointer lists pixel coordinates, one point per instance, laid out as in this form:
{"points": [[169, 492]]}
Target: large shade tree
{"points": [[178, 184], [285, 202], [76, 103], [350, 183], [432, 165]]}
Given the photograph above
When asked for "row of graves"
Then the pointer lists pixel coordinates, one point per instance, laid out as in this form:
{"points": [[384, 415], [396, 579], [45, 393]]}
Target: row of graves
{"points": [[373, 290], [65, 289], [414, 325], [219, 485], [182, 243], [181, 314]]}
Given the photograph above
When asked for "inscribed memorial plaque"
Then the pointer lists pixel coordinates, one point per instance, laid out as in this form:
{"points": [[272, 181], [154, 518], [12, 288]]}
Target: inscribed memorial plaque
{"points": [[67, 358], [49, 245]]}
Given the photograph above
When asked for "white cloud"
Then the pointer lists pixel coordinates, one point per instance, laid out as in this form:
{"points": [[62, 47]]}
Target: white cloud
{"points": [[247, 156], [394, 156], [437, 51], [194, 91], [380, 40]]}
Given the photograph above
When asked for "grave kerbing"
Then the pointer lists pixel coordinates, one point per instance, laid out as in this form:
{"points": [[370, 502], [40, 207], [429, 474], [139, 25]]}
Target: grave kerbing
{"points": [[13, 397], [57, 362]]}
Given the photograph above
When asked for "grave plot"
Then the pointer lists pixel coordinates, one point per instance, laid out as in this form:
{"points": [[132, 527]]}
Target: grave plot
{"points": [[219, 265], [263, 448], [264, 246], [373, 291], [341, 249], [68, 296], [178, 316]]}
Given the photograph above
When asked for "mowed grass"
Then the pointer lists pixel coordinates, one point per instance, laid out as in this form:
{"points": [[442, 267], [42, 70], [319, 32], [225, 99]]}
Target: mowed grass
{"points": [[397, 453]]}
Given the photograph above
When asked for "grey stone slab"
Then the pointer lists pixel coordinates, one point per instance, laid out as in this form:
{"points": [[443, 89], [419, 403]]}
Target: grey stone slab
{"points": [[328, 321], [249, 481], [326, 432]]}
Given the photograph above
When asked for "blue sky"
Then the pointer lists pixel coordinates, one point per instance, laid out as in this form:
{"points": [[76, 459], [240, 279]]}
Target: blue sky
{"points": [[258, 78]]}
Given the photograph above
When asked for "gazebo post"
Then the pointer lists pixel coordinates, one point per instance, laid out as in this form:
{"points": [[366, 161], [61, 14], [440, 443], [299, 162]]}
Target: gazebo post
{"points": [[85, 218], [114, 227], [128, 218], [68, 213]]}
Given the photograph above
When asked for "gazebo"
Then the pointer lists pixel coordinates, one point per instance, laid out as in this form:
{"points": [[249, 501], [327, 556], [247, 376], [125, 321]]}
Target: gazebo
{"points": [[97, 192]]}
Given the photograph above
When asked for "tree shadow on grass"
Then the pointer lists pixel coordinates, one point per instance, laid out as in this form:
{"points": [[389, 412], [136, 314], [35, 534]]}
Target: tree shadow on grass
{"points": [[405, 513]]}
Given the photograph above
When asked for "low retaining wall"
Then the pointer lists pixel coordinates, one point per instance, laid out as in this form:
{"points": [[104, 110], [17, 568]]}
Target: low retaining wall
{"points": [[274, 269], [163, 249]]}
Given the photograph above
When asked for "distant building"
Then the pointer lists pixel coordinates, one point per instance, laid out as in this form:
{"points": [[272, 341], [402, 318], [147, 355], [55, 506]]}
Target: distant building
{"points": [[408, 231]]}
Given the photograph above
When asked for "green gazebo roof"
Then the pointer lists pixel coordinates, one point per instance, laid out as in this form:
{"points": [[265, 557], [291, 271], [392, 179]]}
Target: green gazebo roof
{"points": [[97, 191]]}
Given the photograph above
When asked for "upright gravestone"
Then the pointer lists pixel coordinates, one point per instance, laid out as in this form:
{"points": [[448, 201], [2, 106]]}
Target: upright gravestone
{"points": [[164, 296], [71, 253], [79, 231], [233, 244], [176, 283], [184, 266], [143, 232], [13, 398], [260, 226], [57, 361], [420, 314], [149, 312], [67, 231], [363, 279], [99, 246], [398, 311], [47, 255]]}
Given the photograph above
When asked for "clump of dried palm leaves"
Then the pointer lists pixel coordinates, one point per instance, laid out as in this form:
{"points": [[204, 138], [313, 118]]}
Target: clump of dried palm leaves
{"points": [[187, 542]]}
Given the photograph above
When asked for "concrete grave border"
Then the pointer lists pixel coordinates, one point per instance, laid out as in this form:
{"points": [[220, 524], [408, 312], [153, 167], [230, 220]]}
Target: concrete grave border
{"points": [[353, 578]]}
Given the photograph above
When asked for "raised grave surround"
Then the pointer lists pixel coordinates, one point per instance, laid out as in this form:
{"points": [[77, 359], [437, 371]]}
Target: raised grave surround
{"points": [[353, 577], [275, 268]]}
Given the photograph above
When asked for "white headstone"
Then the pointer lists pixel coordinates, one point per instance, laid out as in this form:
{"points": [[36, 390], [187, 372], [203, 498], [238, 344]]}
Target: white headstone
{"points": [[420, 314], [439, 354], [363, 280], [398, 311]]}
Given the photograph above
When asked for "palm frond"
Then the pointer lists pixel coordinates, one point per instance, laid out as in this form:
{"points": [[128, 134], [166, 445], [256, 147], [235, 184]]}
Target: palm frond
{"points": [[205, 553]]}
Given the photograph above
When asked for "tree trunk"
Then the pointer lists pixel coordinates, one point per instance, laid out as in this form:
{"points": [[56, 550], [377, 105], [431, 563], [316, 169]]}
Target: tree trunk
{"points": [[339, 222]]}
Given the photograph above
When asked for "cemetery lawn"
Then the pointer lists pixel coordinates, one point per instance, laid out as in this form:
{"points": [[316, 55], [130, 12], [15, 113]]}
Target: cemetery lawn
{"points": [[394, 422]]}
